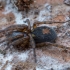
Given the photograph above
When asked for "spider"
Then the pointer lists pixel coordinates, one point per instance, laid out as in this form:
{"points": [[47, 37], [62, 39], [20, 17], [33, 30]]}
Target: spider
{"points": [[22, 36], [18, 35]]}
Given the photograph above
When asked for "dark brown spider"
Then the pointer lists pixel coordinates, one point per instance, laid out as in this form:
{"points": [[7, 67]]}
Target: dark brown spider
{"points": [[21, 36], [18, 35]]}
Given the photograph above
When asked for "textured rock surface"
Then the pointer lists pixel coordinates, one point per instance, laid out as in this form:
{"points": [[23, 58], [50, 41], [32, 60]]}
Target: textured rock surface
{"points": [[67, 2], [48, 57]]}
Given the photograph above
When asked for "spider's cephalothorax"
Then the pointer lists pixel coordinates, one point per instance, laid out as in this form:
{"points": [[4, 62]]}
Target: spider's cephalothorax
{"points": [[19, 40], [17, 36]]}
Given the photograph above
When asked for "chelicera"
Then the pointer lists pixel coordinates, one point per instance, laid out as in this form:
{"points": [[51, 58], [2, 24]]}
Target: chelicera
{"points": [[18, 35]]}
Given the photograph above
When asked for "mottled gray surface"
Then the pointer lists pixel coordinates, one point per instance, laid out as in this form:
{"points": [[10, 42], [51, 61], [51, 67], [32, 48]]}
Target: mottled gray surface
{"points": [[67, 2]]}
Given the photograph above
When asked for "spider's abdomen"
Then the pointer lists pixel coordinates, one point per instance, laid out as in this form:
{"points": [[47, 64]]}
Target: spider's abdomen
{"points": [[44, 34]]}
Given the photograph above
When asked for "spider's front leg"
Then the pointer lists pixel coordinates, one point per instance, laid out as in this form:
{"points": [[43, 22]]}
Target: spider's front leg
{"points": [[7, 31], [10, 29]]}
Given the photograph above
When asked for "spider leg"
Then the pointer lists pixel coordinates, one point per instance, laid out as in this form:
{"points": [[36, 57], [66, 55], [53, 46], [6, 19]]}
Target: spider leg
{"points": [[10, 29], [53, 44], [22, 39], [29, 26], [32, 43]]}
